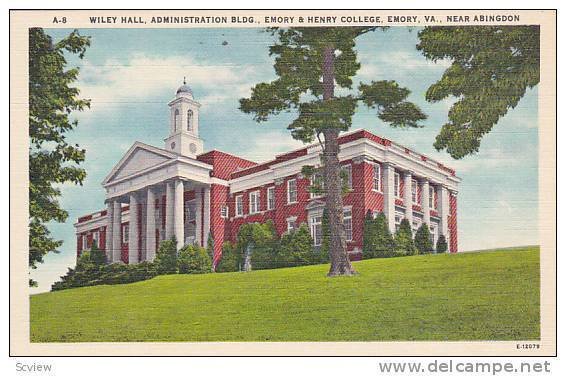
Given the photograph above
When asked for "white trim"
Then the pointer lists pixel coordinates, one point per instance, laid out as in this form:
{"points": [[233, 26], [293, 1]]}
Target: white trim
{"points": [[272, 190], [224, 211], [359, 147], [237, 211], [291, 220], [344, 209], [125, 234], [431, 192], [415, 198], [256, 202], [348, 167], [379, 173], [289, 191], [397, 184]]}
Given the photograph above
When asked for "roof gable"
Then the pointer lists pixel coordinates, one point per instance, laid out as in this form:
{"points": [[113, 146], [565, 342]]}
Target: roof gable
{"points": [[138, 158]]}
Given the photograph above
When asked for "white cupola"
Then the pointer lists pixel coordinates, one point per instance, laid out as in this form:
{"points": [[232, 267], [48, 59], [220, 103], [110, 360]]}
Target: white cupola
{"points": [[183, 125]]}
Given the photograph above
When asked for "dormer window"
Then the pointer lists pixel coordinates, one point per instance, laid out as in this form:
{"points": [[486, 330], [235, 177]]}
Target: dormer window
{"points": [[190, 120], [177, 121]]}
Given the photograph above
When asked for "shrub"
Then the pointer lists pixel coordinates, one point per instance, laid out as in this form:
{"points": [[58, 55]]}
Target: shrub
{"points": [[255, 244], [166, 257], [296, 248], [193, 259], [230, 260], [378, 242], [441, 245], [87, 273], [422, 239], [97, 256], [384, 243], [370, 236], [404, 245]]}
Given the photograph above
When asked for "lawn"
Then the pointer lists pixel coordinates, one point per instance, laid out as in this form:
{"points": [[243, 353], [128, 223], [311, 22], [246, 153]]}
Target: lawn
{"points": [[488, 295]]}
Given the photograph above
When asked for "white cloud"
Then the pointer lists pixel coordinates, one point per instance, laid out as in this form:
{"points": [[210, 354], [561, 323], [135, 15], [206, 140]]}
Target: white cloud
{"points": [[145, 77], [374, 65], [266, 145]]}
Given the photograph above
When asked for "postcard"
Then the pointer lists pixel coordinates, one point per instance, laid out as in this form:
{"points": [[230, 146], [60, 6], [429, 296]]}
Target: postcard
{"points": [[267, 182]]}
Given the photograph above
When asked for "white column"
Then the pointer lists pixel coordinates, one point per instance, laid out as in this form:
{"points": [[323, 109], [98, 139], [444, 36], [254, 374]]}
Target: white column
{"points": [[169, 209], [117, 232], [109, 234], [150, 225], [424, 202], [133, 238], [179, 214], [206, 216], [198, 216], [389, 195], [443, 208], [408, 197]]}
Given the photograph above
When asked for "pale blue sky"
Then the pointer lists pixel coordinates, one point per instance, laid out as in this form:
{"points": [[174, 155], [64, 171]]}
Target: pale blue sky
{"points": [[130, 75]]}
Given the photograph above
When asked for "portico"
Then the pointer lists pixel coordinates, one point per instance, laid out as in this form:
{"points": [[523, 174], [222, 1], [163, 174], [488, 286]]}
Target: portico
{"points": [[158, 212]]}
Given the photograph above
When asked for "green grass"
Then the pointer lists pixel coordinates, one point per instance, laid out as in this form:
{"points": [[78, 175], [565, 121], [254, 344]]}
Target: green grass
{"points": [[470, 296]]}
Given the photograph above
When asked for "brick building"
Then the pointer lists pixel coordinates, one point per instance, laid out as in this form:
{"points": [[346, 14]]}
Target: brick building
{"points": [[180, 190]]}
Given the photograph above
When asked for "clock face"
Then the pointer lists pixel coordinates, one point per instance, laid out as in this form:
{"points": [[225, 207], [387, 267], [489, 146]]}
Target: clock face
{"points": [[193, 148], [173, 146]]}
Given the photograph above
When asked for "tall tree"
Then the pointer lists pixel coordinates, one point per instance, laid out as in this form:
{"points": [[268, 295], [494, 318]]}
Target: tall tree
{"points": [[310, 63], [52, 160], [492, 66]]}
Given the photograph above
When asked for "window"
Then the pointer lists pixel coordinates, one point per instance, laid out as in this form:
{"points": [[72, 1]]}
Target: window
{"points": [[190, 120], [377, 177], [318, 181], [190, 211], [415, 225], [125, 234], [239, 206], [224, 211], [176, 121], [348, 223], [291, 224], [95, 238], [397, 185], [254, 202], [291, 191], [270, 198], [316, 229], [433, 234], [431, 197], [414, 190], [85, 242], [347, 170]]}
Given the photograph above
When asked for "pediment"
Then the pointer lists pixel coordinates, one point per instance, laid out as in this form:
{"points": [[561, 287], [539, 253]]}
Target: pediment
{"points": [[140, 157], [315, 204]]}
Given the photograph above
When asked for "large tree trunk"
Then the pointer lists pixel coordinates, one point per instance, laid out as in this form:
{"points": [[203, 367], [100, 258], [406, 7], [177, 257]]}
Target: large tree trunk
{"points": [[339, 261]]}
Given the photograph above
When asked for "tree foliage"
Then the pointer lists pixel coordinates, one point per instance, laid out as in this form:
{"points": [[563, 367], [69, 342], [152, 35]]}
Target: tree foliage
{"points": [[310, 63], [441, 245], [166, 257], [296, 248], [193, 259], [404, 244], [52, 160], [298, 64], [378, 241], [491, 68], [422, 240]]}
